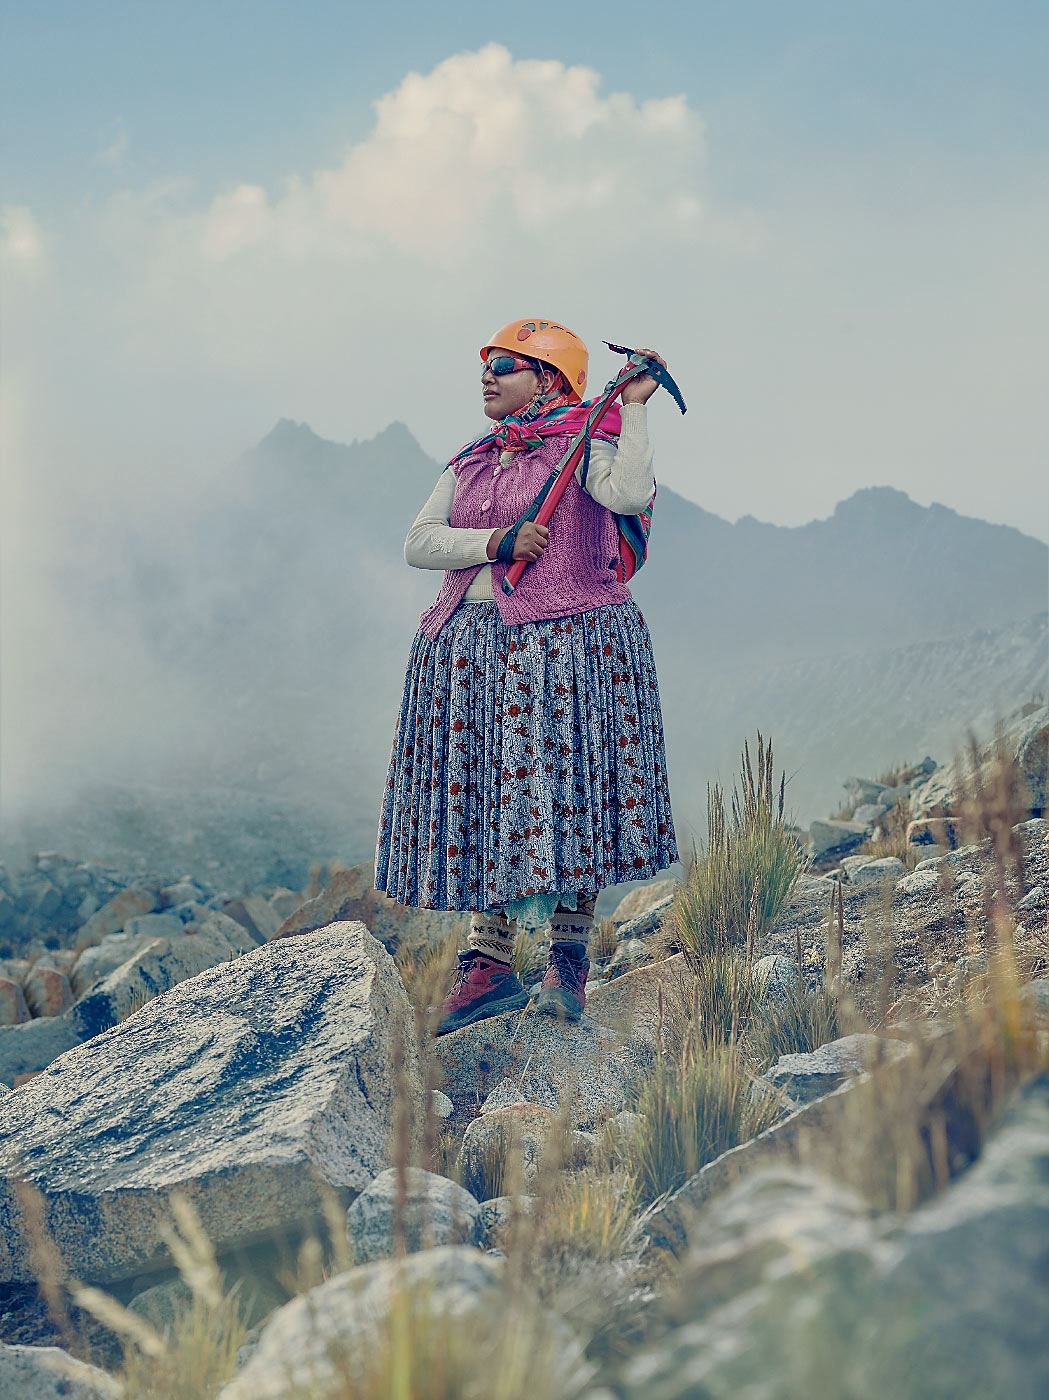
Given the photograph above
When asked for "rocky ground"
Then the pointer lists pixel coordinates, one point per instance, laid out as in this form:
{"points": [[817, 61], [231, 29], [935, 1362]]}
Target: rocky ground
{"points": [[260, 1057]]}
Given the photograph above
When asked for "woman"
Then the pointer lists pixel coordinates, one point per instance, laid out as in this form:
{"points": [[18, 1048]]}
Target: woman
{"points": [[528, 769]]}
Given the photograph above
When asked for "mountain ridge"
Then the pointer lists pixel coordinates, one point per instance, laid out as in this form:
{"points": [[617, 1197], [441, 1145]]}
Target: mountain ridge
{"points": [[897, 505]]}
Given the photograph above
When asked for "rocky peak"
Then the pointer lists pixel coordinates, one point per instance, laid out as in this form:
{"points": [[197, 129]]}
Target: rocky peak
{"points": [[880, 505]]}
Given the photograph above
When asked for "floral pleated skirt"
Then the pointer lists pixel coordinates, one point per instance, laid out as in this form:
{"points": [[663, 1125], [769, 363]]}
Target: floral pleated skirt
{"points": [[527, 762]]}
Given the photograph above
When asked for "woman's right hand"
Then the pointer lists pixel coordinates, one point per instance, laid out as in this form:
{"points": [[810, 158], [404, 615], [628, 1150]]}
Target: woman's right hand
{"points": [[531, 540]]}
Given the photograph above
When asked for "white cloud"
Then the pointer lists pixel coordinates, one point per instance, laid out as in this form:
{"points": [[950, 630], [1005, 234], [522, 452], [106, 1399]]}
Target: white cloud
{"points": [[480, 143], [235, 221], [20, 236], [484, 188], [114, 153]]}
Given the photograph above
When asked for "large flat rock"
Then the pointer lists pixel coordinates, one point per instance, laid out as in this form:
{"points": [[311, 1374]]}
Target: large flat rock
{"points": [[234, 1087], [527, 1058]]}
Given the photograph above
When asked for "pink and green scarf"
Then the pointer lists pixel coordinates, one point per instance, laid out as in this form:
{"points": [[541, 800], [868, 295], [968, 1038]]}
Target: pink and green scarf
{"points": [[518, 431], [556, 415]]}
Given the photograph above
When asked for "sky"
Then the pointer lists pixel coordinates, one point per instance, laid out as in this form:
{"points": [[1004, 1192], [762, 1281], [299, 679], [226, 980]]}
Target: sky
{"points": [[830, 219]]}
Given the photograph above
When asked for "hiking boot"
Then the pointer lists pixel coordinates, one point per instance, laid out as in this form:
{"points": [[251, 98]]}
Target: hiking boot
{"points": [[564, 986], [482, 988]]}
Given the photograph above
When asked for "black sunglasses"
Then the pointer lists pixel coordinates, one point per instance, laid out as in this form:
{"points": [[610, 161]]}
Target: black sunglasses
{"points": [[509, 364]]}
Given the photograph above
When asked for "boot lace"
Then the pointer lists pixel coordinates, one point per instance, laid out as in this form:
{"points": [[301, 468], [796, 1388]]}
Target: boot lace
{"points": [[568, 964], [462, 972]]}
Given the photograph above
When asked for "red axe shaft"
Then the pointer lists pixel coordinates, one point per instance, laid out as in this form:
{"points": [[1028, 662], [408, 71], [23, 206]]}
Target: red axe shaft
{"points": [[567, 466]]}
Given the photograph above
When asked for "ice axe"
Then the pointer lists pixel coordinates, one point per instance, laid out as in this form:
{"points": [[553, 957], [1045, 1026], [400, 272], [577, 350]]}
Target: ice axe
{"points": [[542, 508]]}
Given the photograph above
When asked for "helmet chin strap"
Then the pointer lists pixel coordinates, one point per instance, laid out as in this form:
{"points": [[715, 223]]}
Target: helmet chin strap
{"points": [[540, 399]]}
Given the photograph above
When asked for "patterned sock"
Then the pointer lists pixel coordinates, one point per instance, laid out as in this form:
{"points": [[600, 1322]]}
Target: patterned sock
{"points": [[493, 936], [573, 925]]}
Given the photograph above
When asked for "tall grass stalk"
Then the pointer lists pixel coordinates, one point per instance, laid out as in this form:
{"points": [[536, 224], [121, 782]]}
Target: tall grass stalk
{"points": [[736, 888], [995, 799], [426, 976]]}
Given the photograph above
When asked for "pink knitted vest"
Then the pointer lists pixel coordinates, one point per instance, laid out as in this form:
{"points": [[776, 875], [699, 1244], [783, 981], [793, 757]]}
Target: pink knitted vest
{"points": [[576, 571]]}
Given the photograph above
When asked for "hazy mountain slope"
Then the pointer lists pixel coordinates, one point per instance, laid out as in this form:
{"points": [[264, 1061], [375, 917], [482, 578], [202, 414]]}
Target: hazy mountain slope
{"points": [[880, 570], [833, 716]]}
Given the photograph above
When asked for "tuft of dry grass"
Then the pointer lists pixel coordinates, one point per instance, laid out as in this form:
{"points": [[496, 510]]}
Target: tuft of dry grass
{"points": [[603, 941], [486, 1176], [737, 887], [913, 1125], [894, 775], [426, 972], [713, 1005], [893, 841], [444, 1160], [591, 1213], [693, 1108], [527, 946], [138, 1000], [798, 1020]]}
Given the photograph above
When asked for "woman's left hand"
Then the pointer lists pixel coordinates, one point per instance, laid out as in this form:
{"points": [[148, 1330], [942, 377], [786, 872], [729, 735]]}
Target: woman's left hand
{"points": [[640, 390]]}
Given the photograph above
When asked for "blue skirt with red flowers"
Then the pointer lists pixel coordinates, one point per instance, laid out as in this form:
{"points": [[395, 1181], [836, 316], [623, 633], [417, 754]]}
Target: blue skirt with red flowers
{"points": [[527, 761]]}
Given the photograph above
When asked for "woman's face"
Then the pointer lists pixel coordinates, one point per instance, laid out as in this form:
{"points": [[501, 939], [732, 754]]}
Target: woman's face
{"points": [[509, 393]]}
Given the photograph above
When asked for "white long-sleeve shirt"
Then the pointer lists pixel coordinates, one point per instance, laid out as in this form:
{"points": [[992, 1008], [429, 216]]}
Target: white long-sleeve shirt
{"points": [[618, 477]]}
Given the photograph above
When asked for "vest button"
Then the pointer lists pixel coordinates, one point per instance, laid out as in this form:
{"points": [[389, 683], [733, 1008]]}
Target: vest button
{"points": [[486, 505]]}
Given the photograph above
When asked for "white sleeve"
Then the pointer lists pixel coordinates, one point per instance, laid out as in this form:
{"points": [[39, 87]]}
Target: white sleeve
{"points": [[621, 477], [434, 544]]}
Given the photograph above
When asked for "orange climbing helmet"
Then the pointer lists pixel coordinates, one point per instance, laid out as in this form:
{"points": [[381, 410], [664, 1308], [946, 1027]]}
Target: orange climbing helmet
{"points": [[550, 342]]}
